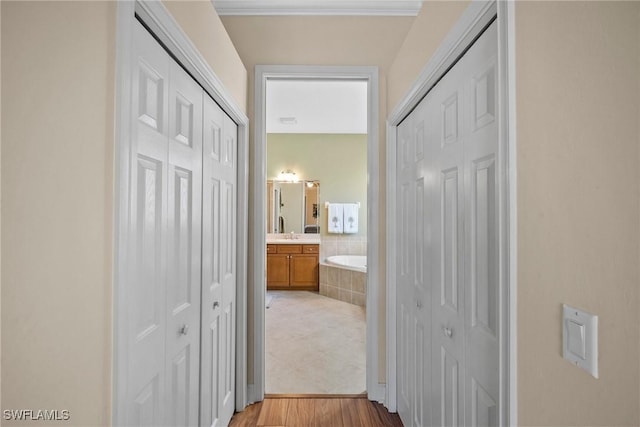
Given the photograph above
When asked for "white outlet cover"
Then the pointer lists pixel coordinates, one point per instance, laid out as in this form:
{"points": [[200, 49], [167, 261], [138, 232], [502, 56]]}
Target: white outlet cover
{"points": [[580, 338]]}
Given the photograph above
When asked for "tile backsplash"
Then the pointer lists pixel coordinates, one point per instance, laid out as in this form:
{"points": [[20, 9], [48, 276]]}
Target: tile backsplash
{"points": [[342, 245]]}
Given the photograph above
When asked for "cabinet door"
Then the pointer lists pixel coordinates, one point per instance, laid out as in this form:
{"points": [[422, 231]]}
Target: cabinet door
{"points": [[277, 270], [304, 270]]}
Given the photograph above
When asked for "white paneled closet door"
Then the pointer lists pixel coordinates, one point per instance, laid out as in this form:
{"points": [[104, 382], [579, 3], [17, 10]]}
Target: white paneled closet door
{"points": [[170, 290], [184, 197], [414, 296], [218, 267], [448, 233], [405, 277], [146, 313], [482, 303], [445, 103]]}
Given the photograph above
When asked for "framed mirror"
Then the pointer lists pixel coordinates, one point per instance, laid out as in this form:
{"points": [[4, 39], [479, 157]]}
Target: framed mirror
{"points": [[293, 206]]}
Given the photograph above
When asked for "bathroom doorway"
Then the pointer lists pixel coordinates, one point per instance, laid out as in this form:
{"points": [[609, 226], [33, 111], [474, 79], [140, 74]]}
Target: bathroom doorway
{"points": [[319, 336], [316, 219]]}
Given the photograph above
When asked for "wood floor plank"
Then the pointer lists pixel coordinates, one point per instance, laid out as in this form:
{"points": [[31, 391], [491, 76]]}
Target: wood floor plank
{"points": [[328, 413], [248, 417], [354, 413], [316, 412], [367, 417], [374, 417], [387, 418], [301, 413], [273, 412]]}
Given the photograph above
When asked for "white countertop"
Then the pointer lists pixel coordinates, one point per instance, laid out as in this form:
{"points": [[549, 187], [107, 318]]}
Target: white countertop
{"points": [[298, 239]]}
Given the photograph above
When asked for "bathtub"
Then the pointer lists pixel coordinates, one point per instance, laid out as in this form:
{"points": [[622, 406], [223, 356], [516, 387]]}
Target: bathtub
{"points": [[344, 277], [349, 262]]}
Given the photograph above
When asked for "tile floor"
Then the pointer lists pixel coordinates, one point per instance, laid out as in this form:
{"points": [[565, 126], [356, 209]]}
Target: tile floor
{"points": [[314, 345]]}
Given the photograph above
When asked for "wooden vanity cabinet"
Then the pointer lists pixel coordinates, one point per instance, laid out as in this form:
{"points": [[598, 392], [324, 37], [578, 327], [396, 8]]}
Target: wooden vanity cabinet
{"points": [[293, 267]]}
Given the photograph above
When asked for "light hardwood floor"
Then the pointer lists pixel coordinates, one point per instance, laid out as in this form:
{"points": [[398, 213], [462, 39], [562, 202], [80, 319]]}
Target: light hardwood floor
{"points": [[316, 412]]}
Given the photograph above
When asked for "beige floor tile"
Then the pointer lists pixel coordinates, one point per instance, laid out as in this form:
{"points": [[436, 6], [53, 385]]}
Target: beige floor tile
{"points": [[314, 344]]}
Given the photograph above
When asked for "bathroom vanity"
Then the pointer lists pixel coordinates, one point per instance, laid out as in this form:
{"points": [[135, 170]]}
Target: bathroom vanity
{"points": [[293, 264]]}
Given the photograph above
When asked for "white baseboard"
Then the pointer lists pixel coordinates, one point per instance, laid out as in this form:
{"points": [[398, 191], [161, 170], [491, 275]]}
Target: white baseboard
{"points": [[252, 395], [378, 393]]}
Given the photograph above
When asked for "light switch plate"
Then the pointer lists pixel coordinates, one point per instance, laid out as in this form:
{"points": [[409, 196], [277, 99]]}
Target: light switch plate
{"points": [[580, 338]]}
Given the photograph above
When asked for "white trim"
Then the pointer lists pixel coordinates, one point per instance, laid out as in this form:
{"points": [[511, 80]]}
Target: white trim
{"points": [[124, 41], [472, 22], [375, 390], [505, 223], [156, 17], [392, 385], [378, 393], [506, 23], [315, 7]]}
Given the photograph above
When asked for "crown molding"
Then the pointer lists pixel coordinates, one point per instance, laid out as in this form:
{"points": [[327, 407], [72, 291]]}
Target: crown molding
{"points": [[317, 7]]}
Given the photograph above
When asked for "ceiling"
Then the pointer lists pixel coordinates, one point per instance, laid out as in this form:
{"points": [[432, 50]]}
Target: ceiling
{"points": [[303, 106], [318, 7]]}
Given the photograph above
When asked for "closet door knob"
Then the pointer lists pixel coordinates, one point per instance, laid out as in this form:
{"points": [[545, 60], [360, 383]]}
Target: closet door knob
{"points": [[448, 332], [216, 304], [184, 330]]}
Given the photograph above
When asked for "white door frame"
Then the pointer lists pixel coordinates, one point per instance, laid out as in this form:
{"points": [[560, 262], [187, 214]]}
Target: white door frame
{"points": [[470, 25], [160, 22], [375, 390]]}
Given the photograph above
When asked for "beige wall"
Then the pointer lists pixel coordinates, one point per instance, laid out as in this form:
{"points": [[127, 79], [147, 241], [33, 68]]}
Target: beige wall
{"points": [[343, 177], [58, 75], [322, 40], [0, 209], [434, 22], [578, 102], [57, 163], [203, 26], [578, 188]]}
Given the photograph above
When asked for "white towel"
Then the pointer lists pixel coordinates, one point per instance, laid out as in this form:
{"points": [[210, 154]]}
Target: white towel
{"points": [[351, 218], [334, 218]]}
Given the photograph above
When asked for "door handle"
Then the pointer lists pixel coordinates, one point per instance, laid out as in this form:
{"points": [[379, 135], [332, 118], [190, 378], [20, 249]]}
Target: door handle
{"points": [[418, 303], [216, 304], [448, 332], [184, 330]]}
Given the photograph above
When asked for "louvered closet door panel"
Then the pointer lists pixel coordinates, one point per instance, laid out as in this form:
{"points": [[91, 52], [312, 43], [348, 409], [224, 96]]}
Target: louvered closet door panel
{"points": [[184, 238], [146, 280], [481, 244]]}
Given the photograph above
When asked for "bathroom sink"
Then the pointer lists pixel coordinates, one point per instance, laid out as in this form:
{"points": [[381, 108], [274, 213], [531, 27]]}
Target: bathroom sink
{"points": [[295, 241]]}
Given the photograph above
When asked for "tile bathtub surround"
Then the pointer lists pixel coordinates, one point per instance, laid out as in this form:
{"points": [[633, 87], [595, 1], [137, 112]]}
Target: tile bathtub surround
{"points": [[342, 245], [344, 285], [314, 345]]}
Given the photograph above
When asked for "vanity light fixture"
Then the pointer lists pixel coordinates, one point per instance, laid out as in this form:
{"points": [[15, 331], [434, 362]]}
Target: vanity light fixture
{"points": [[288, 176]]}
